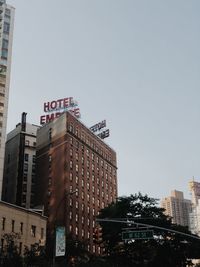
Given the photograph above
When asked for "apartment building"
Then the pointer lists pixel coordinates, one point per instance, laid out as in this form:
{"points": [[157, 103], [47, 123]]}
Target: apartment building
{"points": [[177, 207], [20, 165]]}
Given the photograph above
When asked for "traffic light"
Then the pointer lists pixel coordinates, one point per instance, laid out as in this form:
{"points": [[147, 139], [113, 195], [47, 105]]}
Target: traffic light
{"points": [[97, 235]]}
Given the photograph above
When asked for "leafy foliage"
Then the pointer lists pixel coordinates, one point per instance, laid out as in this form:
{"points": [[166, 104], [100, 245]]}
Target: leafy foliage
{"points": [[166, 249], [10, 254]]}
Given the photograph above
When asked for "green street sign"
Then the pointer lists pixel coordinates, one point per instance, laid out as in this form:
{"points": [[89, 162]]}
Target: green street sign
{"points": [[146, 234]]}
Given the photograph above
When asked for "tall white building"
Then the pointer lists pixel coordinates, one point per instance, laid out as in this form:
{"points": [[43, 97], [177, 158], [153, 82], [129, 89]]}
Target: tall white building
{"points": [[195, 214], [6, 38]]}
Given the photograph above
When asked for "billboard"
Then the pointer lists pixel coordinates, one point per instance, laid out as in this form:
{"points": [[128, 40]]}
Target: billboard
{"points": [[60, 241], [55, 108]]}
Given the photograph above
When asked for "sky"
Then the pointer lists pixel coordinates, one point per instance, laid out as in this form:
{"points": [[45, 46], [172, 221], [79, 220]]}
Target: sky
{"points": [[134, 63]]}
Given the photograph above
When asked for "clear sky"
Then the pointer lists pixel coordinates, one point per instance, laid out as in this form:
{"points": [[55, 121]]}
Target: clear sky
{"points": [[134, 63]]}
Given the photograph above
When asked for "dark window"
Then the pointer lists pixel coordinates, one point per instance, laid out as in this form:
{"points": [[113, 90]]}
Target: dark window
{"points": [[26, 166], [42, 233], [33, 230], [26, 157], [33, 169], [34, 158], [24, 188], [4, 53], [2, 243], [20, 248], [6, 28], [3, 223], [5, 44], [25, 176], [13, 225], [21, 227]]}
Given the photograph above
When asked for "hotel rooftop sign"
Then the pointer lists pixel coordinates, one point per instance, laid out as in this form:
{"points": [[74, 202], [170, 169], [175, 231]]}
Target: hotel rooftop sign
{"points": [[98, 128], [56, 108]]}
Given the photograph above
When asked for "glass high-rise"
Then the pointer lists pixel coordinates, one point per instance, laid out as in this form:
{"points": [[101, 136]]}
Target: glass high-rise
{"points": [[6, 38]]}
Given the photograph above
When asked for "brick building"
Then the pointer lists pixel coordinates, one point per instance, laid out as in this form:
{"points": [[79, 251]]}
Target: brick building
{"points": [[71, 158]]}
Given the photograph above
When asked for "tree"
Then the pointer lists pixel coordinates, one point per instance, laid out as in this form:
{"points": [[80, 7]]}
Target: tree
{"points": [[10, 253], [166, 249], [35, 256]]}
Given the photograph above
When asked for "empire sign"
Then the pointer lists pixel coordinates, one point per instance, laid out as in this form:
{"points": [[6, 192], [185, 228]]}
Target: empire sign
{"points": [[56, 108]]}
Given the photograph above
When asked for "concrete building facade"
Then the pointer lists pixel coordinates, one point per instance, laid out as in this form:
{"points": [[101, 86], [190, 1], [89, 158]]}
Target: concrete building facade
{"points": [[177, 207], [20, 165], [29, 226], [71, 158], [6, 37], [194, 188]]}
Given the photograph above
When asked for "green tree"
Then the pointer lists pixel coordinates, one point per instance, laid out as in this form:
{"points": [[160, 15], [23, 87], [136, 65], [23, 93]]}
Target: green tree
{"points": [[166, 249]]}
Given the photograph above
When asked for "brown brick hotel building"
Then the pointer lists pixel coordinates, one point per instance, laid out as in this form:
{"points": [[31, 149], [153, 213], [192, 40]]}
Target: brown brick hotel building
{"points": [[71, 158]]}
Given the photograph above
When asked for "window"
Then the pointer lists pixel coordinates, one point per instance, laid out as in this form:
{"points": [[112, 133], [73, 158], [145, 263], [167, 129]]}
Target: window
{"points": [[70, 176], [76, 167], [3, 223], [76, 217], [88, 186], [2, 244], [25, 176], [4, 53], [5, 44], [27, 143], [70, 202], [26, 157], [13, 225], [7, 12], [25, 166], [24, 188], [71, 164], [71, 140], [34, 158], [76, 229], [82, 233], [33, 230], [76, 179], [42, 233], [20, 248], [21, 227]]}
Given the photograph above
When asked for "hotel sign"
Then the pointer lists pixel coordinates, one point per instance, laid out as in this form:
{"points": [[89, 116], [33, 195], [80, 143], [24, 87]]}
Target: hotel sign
{"points": [[56, 108], [97, 128]]}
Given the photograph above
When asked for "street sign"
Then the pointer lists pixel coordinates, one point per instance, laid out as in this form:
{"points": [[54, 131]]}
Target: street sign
{"points": [[146, 234]]}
